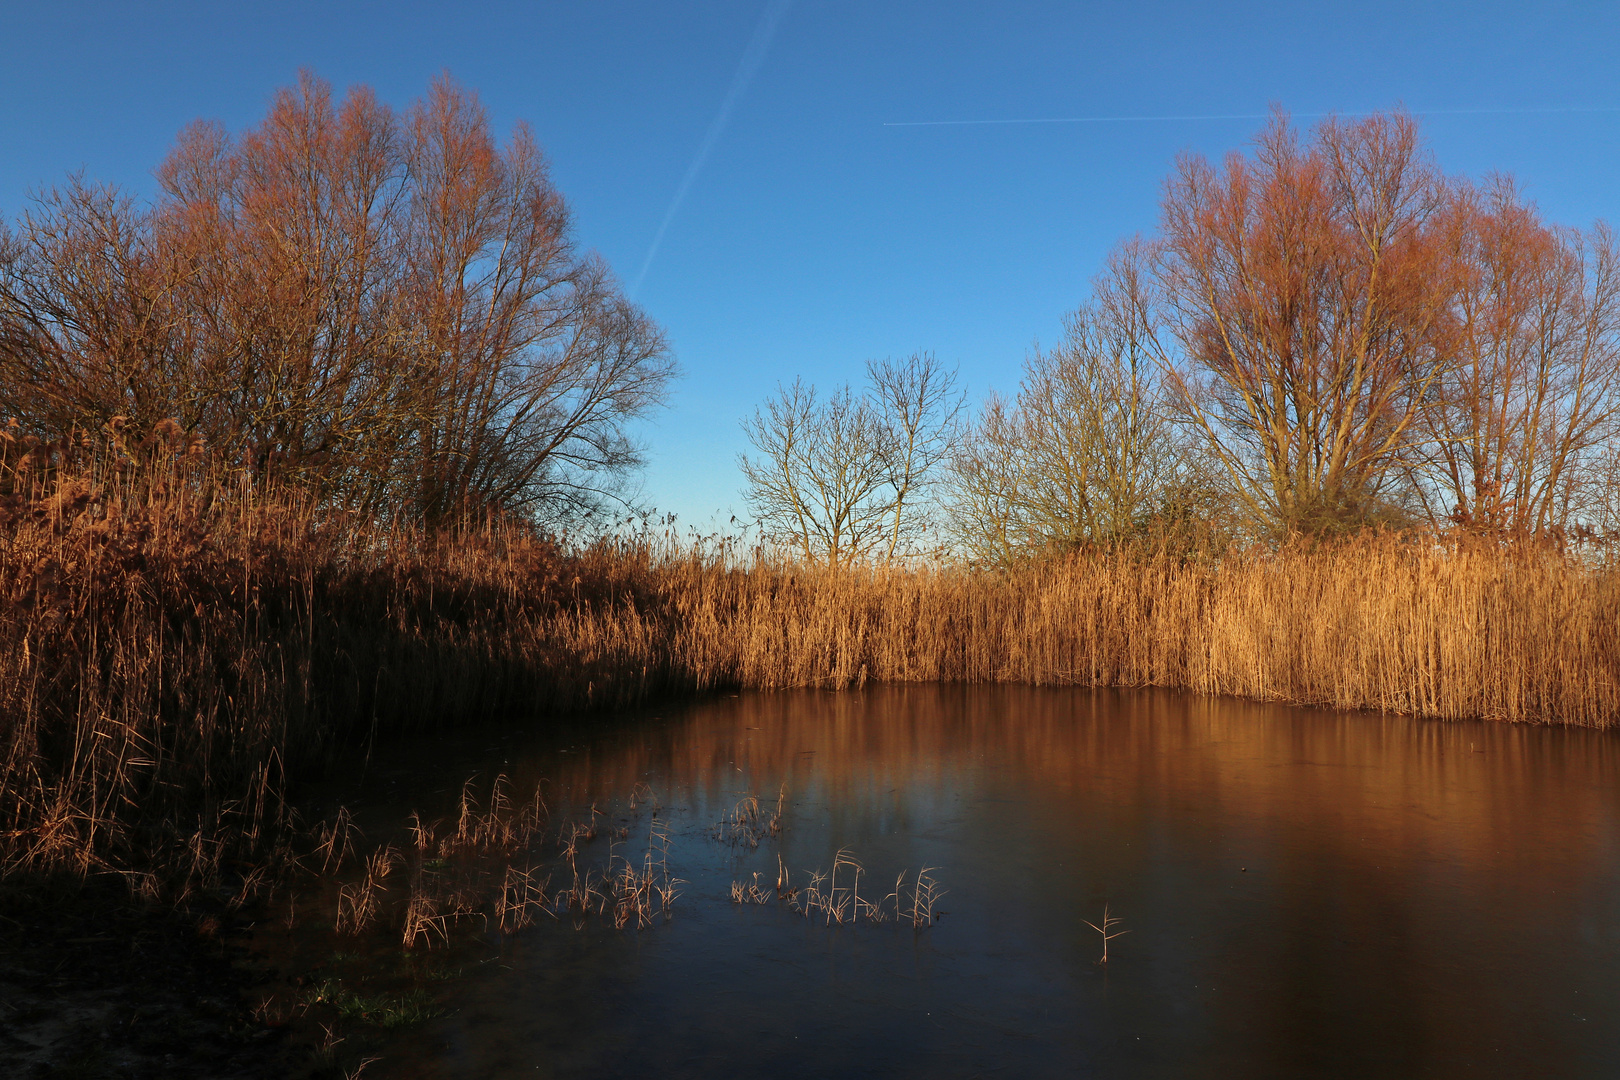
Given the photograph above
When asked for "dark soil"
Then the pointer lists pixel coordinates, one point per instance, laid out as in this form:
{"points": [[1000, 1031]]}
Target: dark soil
{"points": [[94, 984]]}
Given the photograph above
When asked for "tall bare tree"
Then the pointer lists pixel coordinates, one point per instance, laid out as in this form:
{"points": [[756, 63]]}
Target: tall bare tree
{"points": [[1307, 310], [390, 310], [918, 409], [534, 358], [1530, 391], [294, 234]]}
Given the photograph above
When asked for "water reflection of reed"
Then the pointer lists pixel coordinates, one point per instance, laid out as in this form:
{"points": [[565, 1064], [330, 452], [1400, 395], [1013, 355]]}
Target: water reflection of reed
{"points": [[1132, 748]]}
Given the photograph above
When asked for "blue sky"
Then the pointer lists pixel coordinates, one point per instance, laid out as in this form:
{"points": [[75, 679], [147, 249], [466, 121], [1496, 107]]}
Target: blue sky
{"points": [[817, 234]]}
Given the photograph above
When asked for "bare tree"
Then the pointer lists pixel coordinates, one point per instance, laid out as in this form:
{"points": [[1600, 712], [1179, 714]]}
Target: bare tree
{"points": [[918, 409], [1349, 331], [1086, 453], [1518, 419], [294, 235], [90, 316], [820, 481], [989, 474], [534, 356], [389, 310], [846, 477], [1307, 308]]}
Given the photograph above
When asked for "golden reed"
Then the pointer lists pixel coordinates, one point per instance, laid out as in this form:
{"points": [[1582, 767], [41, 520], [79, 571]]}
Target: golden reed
{"points": [[174, 643]]}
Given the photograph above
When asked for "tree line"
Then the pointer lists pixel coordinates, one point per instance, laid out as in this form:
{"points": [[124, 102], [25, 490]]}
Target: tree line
{"points": [[386, 308], [1324, 333]]}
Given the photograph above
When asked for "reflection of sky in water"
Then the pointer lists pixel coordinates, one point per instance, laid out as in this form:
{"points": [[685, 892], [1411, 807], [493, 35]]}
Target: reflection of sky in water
{"points": [[1309, 893]]}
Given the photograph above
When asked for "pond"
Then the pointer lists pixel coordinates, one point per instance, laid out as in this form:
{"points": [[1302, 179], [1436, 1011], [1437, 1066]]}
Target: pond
{"points": [[1305, 892]]}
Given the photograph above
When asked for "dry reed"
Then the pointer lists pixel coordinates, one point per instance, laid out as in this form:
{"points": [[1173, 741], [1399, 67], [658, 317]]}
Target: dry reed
{"points": [[468, 871], [823, 897], [175, 642], [1107, 931], [748, 824]]}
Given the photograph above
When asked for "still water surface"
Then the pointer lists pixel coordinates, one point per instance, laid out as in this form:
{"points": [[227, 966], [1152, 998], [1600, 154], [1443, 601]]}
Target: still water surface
{"points": [[1308, 893]]}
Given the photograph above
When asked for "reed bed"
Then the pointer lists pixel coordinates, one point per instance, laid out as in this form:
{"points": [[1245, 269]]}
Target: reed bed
{"points": [[1458, 631], [176, 643], [494, 867]]}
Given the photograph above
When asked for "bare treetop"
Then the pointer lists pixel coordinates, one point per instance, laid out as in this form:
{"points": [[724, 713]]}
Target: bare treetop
{"points": [[390, 308]]}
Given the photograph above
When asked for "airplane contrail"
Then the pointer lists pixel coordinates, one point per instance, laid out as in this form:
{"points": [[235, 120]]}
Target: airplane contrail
{"points": [[753, 56], [1234, 116]]}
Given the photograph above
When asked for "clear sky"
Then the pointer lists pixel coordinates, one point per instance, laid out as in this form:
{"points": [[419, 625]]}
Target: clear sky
{"points": [[815, 228]]}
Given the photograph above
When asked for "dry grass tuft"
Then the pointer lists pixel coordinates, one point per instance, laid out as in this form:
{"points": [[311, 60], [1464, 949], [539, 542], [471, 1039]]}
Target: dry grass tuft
{"points": [[821, 896]]}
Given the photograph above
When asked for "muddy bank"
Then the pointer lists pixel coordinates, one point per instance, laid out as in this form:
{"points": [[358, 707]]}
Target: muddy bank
{"points": [[94, 984]]}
